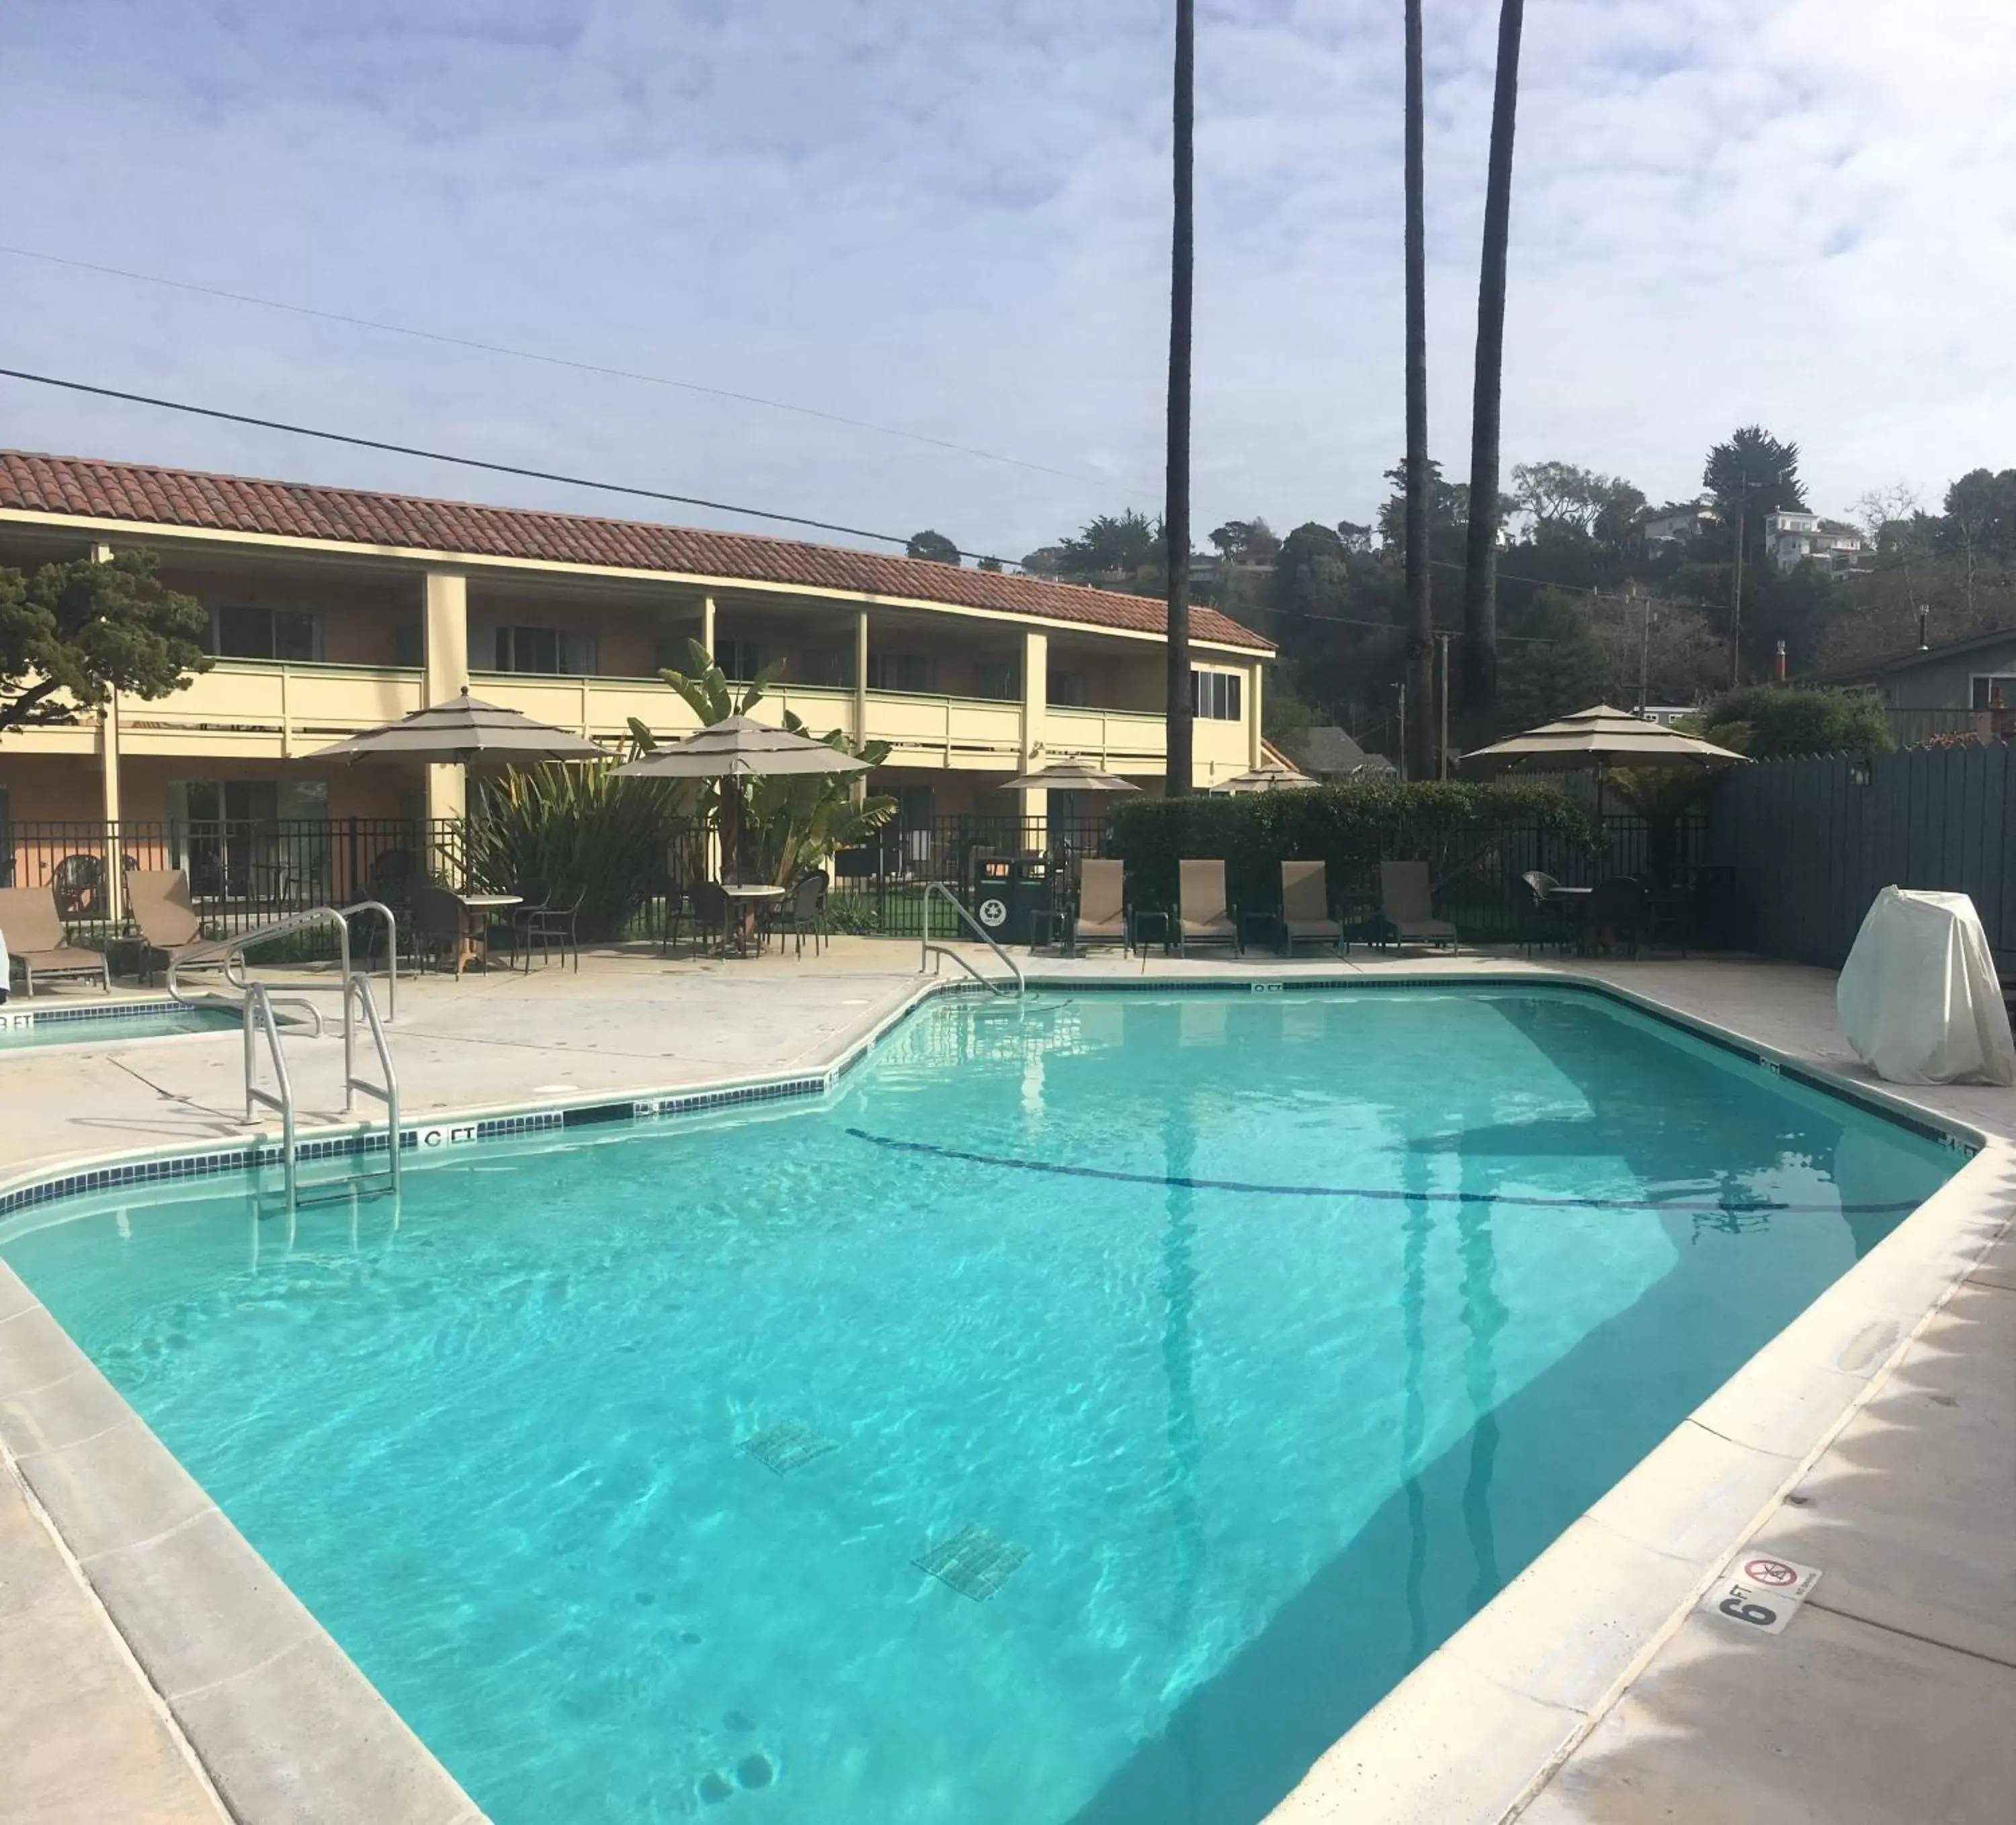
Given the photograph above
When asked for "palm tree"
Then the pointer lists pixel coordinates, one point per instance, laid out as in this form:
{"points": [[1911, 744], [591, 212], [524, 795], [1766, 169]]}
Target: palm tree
{"points": [[1420, 625], [1176, 510], [1479, 681]]}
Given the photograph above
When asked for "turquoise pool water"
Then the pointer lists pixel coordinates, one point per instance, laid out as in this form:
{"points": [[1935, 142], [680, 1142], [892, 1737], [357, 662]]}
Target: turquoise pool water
{"points": [[25, 1026], [1260, 1338]]}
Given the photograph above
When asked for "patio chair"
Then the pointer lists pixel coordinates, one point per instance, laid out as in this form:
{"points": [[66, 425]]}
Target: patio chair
{"points": [[33, 932], [803, 909], [1306, 916], [164, 916], [1203, 916], [78, 883], [1618, 913], [1550, 921], [435, 927], [392, 878], [548, 920], [1407, 905], [1101, 915], [712, 916]]}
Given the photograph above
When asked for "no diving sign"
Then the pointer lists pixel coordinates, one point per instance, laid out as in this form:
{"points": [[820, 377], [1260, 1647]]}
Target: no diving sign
{"points": [[1763, 1592]]}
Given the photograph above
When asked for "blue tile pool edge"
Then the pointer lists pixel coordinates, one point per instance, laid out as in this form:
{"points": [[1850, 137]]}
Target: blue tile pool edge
{"points": [[46, 1184]]}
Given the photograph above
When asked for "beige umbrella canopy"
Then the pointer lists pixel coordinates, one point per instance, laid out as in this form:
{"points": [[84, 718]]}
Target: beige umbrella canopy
{"points": [[738, 747], [1268, 776], [1073, 774], [463, 730], [1596, 738], [735, 749]]}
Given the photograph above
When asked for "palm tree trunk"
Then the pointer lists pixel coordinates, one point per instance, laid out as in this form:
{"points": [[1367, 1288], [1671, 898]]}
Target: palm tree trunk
{"points": [[1478, 689], [1420, 673], [1176, 509]]}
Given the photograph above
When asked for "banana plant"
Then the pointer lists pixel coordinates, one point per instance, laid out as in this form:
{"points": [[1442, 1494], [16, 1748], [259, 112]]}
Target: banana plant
{"points": [[800, 819]]}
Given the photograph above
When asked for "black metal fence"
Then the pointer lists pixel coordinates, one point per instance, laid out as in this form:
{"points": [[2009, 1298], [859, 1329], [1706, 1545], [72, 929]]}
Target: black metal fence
{"points": [[1810, 844], [243, 873]]}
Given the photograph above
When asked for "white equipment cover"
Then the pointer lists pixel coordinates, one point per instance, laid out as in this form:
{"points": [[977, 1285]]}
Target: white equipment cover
{"points": [[1918, 997]]}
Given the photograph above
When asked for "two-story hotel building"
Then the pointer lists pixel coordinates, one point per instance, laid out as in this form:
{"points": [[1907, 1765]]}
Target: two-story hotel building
{"points": [[334, 610]]}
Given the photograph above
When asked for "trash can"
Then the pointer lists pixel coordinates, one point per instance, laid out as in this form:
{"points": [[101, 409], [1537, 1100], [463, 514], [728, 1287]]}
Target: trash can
{"points": [[1029, 898], [993, 892]]}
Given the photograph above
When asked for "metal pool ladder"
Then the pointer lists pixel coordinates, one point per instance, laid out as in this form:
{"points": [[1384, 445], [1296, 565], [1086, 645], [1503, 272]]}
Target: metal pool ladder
{"points": [[938, 891], [258, 1002]]}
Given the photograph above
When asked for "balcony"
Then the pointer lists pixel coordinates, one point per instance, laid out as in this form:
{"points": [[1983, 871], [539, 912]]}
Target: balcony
{"points": [[261, 709]]}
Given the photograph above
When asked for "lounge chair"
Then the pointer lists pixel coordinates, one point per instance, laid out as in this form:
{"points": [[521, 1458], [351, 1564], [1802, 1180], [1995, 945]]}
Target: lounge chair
{"points": [[1408, 907], [33, 935], [1305, 909], [1202, 916], [158, 898], [1101, 915]]}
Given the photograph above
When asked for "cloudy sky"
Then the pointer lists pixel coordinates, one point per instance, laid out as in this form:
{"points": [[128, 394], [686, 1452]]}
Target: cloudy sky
{"points": [[950, 218]]}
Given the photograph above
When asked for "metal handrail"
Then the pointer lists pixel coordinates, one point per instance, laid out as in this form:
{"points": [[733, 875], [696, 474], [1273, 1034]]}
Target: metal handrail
{"points": [[391, 951], [358, 991], [229, 954], [938, 890], [259, 1016]]}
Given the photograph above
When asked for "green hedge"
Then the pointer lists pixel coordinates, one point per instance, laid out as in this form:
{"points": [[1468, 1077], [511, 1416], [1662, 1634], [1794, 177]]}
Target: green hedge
{"points": [[1460, 830]]}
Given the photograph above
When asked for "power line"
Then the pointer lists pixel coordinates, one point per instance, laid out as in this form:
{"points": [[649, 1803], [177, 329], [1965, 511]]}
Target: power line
{"points": [[555, 360], [616, 488]]}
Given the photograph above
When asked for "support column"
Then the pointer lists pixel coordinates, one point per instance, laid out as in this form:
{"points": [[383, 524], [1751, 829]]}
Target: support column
{"points": [[707, 624], [1255, 673], [109, 763], [1035, 716], [109, 757], [445, 619], [861, 675]]}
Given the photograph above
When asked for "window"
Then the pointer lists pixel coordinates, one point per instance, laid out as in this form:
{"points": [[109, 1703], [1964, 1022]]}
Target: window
{"points": [[556, 652], [1000, 678], [1214, 695], [902, 671], [269, 633], [1990, 689], [831, 666], [1068, 687], [409, 645], [740, 660]]}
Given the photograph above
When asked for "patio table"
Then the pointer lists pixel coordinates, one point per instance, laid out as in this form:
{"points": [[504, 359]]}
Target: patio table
{"points": [[474, 946], [747, 900]]}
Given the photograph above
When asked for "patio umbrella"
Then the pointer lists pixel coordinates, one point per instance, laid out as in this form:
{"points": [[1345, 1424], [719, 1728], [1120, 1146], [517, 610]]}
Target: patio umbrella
{"points": [[1072, 774], [1595, 740], [735, 749], [1268, 776], [464, 729], [1600, 737]]}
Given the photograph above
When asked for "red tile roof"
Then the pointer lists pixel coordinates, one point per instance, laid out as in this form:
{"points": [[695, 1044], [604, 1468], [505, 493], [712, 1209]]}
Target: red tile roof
{"points": [[233, 503]]}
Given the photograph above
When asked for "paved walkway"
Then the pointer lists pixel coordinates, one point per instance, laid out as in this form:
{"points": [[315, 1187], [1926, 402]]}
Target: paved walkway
{"points": [[1887, 1700]]}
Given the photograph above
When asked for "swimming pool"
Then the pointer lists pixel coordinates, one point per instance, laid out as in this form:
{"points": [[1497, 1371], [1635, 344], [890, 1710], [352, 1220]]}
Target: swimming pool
{"points": [[1223, 1353], [109, 1024]]}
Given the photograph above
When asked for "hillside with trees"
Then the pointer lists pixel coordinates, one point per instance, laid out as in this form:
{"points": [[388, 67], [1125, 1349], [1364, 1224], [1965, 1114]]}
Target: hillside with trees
{"points": [[1590, 606]]}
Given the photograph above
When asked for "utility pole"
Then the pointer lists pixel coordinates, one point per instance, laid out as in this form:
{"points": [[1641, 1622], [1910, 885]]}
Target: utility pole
{"points": [[1176, 509], [1403, 731], [1442, 772], [1736, 604], [1645, 655]]}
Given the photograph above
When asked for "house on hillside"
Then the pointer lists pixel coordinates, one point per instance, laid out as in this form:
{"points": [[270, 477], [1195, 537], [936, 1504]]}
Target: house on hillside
{"points": [[1678, 523], [1334, 755], [1794, 539], [1960, 686]]}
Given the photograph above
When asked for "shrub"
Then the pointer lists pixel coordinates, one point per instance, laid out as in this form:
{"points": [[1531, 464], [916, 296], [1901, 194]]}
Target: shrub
{"points": [[1786, 722], [1460, 830], [552, 829]]}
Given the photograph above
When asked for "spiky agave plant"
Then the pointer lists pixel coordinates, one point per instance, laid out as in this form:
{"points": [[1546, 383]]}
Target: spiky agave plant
{"points": [[552, 831]]}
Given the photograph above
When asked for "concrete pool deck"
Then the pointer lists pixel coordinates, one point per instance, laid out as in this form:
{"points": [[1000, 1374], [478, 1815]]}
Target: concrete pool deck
{"points": [[1887, 1677]]}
